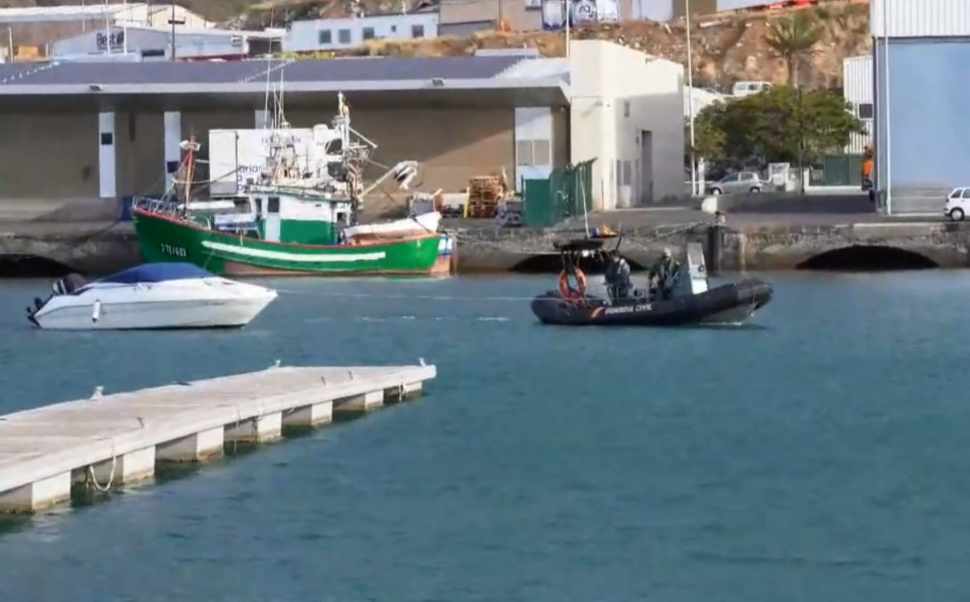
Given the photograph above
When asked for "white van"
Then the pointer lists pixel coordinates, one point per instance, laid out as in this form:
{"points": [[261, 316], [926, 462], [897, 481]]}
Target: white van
{"points": [[957, 204], [749, 88]]}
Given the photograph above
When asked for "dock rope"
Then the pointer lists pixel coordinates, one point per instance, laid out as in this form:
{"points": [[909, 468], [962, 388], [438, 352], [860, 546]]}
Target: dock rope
{"points": [[111, 477]]}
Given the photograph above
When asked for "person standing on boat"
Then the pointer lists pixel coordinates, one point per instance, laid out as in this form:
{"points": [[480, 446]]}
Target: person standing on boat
{"points": [[618, 277], [665, 272]]}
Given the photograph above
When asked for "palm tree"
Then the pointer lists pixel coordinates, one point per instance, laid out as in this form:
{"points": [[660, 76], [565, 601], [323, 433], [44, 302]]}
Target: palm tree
{"points": [[792, 38]]}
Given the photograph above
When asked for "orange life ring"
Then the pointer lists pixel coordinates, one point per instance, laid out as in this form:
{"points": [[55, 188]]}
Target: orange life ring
{"points": [[566, 289]]}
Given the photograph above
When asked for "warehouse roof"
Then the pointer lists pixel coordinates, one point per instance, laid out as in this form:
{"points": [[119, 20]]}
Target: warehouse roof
{"points": [[229, 79]]}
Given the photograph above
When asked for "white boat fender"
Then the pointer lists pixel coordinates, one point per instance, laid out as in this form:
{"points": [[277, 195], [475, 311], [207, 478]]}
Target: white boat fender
{"points": [[96, 312]]}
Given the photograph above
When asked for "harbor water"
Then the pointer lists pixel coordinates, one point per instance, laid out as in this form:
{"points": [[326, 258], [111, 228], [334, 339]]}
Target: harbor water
{"points": [[818, 454]]}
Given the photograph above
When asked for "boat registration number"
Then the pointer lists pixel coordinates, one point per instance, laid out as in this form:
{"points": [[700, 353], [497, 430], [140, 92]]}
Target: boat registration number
{"points": [[174, 251], [628, 309]]}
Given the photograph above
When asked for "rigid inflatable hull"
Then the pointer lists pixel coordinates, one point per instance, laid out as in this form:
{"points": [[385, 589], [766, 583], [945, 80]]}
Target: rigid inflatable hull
{"points": [[729, 303]]}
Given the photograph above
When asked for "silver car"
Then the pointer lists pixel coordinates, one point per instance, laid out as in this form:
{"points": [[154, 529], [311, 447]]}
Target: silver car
{"points": [[745, 181]]}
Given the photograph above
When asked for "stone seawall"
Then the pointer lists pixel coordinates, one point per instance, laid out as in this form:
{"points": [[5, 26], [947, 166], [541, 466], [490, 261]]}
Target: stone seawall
{"points": [[748, 248], [101, 248]]}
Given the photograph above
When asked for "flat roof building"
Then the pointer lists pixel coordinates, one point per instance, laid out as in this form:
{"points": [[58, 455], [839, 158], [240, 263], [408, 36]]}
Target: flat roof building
{"points": [[154, 44], [40, 26], [99, 130], [334, 34]]}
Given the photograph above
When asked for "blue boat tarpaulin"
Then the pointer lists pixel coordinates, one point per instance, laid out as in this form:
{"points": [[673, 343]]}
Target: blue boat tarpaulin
{"points": [[158, 272]]}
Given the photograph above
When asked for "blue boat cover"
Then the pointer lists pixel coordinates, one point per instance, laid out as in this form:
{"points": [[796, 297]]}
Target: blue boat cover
{"points": [[158, 272]]}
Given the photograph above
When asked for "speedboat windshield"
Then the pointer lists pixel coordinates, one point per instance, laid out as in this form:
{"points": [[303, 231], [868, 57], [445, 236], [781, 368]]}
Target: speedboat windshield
{"points": [[157, 272]]}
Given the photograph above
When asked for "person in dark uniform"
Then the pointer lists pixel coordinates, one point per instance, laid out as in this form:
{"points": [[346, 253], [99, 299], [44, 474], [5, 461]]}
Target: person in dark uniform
{"points": [[618, 277], [664, 271]]}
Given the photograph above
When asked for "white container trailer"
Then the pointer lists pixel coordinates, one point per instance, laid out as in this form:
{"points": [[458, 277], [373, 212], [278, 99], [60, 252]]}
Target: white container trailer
{"points": [[238, 156]]}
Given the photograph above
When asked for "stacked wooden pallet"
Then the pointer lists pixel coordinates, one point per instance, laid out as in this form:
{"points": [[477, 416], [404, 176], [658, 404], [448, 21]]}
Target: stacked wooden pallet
{"points": [[484, 195]]}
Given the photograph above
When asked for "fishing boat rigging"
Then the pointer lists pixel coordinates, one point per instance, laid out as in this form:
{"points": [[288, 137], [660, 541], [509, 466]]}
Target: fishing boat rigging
{"points": [[298, 212]]}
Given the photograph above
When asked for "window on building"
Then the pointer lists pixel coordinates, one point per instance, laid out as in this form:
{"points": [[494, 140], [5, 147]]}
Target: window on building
{"points": [[107, 139], [541, 152], [533, 152], [393, 28], [343, 36], [274, 205], [626, 108], [325, 37], [523, 152], [865, 110], [368, 33], [627, 173], [417, 31]]}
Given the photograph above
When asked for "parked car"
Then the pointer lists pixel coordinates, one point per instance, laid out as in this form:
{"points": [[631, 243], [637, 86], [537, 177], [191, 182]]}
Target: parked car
{"points": [[745, 181], [748, 88], [957, 204]]}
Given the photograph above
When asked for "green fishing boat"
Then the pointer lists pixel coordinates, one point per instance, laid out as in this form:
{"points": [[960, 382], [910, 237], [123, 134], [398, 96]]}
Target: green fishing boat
{"points": [[298, 216]]}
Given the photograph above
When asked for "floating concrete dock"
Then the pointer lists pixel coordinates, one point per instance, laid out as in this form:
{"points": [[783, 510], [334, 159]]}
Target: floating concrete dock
{"points": [[109, 441]]}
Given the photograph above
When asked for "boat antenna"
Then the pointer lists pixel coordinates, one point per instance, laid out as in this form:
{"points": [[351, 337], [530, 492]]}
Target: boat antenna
{"points": [[269, 69], [582, 194]]}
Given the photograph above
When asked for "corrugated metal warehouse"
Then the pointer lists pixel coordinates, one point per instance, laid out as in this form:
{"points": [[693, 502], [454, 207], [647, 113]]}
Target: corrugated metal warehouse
{"points": [[921, 124], [857, 89], [90, 130]]}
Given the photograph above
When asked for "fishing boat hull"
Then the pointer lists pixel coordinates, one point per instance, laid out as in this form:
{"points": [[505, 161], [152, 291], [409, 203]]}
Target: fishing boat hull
{"points": [[164, 238], [727, 304]]}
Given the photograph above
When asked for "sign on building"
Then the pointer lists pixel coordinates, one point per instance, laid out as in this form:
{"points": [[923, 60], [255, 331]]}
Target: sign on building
{"points": [[117, 39], [581, 12]]}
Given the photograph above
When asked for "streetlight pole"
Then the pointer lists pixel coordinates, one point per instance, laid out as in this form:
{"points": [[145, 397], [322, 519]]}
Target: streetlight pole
{"points": [[172, 21], [568, 6], [889, 139], [690, 103]]}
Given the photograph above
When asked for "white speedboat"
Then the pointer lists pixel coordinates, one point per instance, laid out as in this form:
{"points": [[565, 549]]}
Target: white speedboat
{"points": [[150, 296]]}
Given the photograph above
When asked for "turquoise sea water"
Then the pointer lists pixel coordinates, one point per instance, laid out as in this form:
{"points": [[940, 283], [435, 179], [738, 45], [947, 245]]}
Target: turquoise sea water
{"points": [[821, 454]]}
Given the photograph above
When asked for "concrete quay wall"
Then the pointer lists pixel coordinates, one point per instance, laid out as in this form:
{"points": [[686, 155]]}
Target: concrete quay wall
{"points": [[761, 247], [93, 249]]}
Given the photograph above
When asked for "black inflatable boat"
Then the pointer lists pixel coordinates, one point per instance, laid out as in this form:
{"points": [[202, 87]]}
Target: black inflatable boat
{"points": [[690, 300]]}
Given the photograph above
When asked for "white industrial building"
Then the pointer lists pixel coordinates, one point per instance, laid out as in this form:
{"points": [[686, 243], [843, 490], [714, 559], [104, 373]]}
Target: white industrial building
{"points": [[333, 34], [627, 113], [31, 31], [921, 51], [113, 130], [147, 44], [94, 12], [857, 89]]}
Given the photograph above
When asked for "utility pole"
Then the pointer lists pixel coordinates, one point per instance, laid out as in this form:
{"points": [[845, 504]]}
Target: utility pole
{"points": [[690, 103], [889, 127], [801, 139], [10, 56], [568, 4], [107, 29], [173, 22], [124, 31]]}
